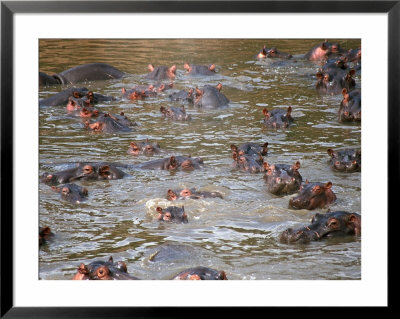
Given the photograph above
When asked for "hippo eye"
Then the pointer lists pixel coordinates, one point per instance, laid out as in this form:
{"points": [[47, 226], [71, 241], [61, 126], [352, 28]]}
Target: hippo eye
{"points": [[167, 216], [65, 190], [333, 223]]}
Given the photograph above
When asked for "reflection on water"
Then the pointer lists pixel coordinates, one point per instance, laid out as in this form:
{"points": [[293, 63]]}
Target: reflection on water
{"points": [[237, 234]]}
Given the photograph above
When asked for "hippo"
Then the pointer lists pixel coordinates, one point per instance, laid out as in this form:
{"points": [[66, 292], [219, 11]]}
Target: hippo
{"points": [[195, 70], [273, 53], [82, 73], [172, 253], [172, 163], [84, 112], [210, 97], [328, 225], [161, 72], [75, 95], [333, 65], [78, 100], [190, 193], [248, 163], [282, 179], [71, 192], [332, 83], [278, 118], [175, 113], [172, 214], [323, 50], [62, 98], [353, 55], [252, 149], [140, 91], [83, 171], [45, 234], [313, 195], [350, 106], [184, 96], [146, 148], [109, 123], [103, 270], [200, 273], [345, 160]]}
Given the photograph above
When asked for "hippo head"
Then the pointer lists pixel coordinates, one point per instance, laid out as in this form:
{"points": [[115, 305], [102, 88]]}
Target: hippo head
{"points": [[313, 195], [331, 224]]}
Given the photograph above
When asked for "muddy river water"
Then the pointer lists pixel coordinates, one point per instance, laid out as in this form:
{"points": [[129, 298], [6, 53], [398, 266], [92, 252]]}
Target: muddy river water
{"points": [[238, 233]]}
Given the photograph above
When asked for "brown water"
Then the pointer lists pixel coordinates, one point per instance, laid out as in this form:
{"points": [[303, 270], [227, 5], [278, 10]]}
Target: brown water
{"points": [[237, 234]]}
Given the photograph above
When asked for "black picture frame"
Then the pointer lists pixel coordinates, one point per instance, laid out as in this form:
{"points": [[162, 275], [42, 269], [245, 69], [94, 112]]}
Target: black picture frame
{"points": [[9, 8]]}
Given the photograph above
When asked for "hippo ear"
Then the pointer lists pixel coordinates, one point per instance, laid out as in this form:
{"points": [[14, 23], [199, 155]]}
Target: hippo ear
{"points": [[352, 72], [265, 112], [212, 67], [111, 260], [46, 230], [222, 275], [233, 148], [104, 169], [296, 165], [199, 92], [85, 191], [266, 165], [76, 95], [330, 152], [328, 185], [184, 215], [133, 144], [162, 109], [319, 75], [170, 194], [289, 111], [83, 269], [355, 221], [219, 86], [307, 181], [235, 156], [159, 209], [150, 67]]}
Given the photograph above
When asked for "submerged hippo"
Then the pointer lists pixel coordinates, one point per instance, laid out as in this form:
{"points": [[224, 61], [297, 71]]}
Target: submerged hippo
{"points": [[283, 179], [172, 163], [210, 97], [71, 192], [345, 160], [83, 171], [331, 224], [190, 193], [195, 70], [313, 195], [172, 214], [278, 118], [103, 270], [200, 273], [82, 73]]}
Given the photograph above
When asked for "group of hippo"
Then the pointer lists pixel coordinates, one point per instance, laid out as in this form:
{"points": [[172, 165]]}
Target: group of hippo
{"points": [[333, 77]]}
